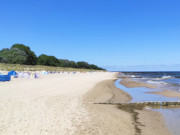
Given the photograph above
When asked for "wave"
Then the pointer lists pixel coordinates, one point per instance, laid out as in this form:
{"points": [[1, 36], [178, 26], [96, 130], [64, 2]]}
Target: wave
{"points": [[164, 77], [133, 76], [155, 82]]}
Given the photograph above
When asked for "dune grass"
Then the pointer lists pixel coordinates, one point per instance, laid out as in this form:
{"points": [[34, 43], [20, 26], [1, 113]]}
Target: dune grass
{"points": [[18, 67]]}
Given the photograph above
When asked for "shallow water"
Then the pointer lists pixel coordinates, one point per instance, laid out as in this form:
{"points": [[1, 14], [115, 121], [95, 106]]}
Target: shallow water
{"points": [[139, 94], [172, 119], [164, 80], [171, 115]]}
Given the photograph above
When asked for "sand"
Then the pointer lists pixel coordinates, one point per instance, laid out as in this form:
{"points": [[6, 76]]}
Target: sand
{"points": [[168, 93], [108, 119], [128, 82], [150, 122], [49, 105], [64, 104]]}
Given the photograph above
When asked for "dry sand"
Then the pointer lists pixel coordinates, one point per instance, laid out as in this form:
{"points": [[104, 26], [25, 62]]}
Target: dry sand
{"points": [[50, 105], [63, 104]]}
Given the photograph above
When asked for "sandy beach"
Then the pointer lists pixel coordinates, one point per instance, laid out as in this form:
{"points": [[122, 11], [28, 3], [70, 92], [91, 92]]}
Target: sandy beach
{"points": [[64, 104]]}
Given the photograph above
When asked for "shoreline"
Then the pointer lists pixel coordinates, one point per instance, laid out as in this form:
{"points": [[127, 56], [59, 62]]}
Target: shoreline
{"points": [[129, 83], [142, 121], [163, 112]]}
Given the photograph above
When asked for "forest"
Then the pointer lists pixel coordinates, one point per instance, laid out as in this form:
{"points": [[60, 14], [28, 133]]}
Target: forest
{"points": [[22, 54]]}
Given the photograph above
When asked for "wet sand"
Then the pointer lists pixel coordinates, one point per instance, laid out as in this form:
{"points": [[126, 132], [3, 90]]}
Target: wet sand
{"points": [[108, 119], [128, 82], [168, 93], [120, 120]]}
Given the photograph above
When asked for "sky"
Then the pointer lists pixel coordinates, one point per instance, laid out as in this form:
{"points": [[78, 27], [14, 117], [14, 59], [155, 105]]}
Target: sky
{"points": [[119, 35]]}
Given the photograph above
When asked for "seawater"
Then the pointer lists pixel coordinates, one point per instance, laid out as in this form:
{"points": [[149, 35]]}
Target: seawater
{"points": [[164, 80], [139, 94]]}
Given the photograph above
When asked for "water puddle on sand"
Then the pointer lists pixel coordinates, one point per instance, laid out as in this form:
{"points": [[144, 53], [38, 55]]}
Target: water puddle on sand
{"points": [[171, 115]]}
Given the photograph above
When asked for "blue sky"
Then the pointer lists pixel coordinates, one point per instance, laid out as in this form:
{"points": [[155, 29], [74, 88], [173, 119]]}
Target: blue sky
{"points": [[115, 34]]}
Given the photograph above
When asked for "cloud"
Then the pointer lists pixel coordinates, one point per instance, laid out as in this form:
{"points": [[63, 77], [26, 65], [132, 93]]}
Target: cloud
{"points": [[174, 67]]}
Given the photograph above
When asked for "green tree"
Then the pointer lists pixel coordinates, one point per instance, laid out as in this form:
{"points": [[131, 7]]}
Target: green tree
{"points": [[82, 64], [92, 66], [47, 60], [66, 63], [0, 59], [13, 56], [31, 57], [72, 64]]}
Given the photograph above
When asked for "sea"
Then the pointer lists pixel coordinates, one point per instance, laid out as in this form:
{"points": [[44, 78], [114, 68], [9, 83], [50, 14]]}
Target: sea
{"points": [[169, 80], [164, 81]]}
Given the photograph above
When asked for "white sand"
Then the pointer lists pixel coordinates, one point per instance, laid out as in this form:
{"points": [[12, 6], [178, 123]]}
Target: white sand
{"points": [[51, 105]]}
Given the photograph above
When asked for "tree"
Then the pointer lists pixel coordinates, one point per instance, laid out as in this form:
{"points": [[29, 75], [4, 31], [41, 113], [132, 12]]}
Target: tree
{"points": [[82, 64], [47, 60], [63, 63], [21, 54], [67, 63], [72, 64], [92, 66], [13, 56], [31, 57], [0, 59]]}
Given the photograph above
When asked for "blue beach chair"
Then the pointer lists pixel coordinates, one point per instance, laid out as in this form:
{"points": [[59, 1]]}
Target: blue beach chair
{"points": [[4, 78]]}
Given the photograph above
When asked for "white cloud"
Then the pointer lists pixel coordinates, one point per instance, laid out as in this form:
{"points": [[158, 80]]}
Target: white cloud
{"points": [[175, 67]]}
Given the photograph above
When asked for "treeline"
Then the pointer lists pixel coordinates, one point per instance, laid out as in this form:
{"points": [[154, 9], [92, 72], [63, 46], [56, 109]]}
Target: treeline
{"points": [[21, 54]]}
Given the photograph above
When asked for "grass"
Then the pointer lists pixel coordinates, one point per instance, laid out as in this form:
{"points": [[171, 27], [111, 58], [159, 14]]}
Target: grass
{"points": [[18, 67]]}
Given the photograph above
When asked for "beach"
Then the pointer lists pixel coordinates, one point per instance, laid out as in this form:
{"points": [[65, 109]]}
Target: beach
{"points": [[67, 104], [142, 91]]}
